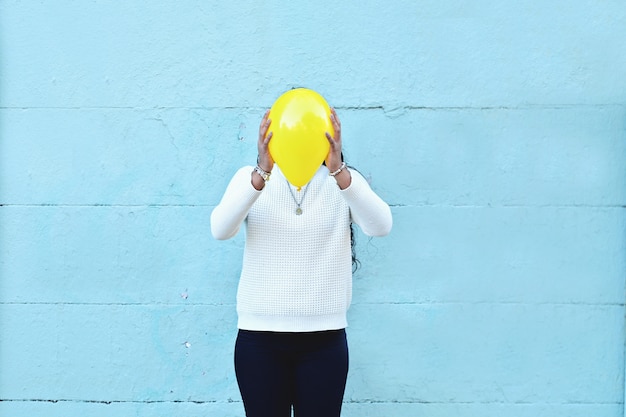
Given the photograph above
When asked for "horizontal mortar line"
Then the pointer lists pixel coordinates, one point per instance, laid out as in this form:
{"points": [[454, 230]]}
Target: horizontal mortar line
{"points": [[105, 205], [365, 303], [108, 402], [501, 402], [131, 107], [349, 401], [394, 205], [390, 106], [487, 205], [478, 302], [145, 304], [260, 109]]}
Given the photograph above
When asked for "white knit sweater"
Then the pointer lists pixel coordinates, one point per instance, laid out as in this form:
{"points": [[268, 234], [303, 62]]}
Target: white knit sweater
{"points": [[297, 269]]}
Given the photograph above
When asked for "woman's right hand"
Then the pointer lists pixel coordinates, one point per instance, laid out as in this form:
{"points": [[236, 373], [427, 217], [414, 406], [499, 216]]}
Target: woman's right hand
{"points": [[266, 163]]}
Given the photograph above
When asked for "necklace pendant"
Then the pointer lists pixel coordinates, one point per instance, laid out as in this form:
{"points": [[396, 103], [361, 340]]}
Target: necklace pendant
{"points": [[295, 200]]}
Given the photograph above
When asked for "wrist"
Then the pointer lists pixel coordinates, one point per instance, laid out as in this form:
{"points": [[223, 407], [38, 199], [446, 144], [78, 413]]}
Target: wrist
{"points": [[265, 166], [265, 175], [257, 181], [343, 179], [334, 173]]}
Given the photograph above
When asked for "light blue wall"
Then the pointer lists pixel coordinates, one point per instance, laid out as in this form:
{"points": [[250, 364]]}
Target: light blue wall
{"points": [[496, 130]]}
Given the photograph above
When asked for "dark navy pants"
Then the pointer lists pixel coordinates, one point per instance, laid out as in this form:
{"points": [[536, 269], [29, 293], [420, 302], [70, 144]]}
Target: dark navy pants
{"points": [[278, 371]]}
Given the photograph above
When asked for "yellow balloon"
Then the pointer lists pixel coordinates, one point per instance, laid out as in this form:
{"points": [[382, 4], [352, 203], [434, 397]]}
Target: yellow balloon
{"points": [[300, 120]]}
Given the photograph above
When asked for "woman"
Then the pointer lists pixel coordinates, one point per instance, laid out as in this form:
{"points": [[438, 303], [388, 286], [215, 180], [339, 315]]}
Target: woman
{"points": [[296, 281]]}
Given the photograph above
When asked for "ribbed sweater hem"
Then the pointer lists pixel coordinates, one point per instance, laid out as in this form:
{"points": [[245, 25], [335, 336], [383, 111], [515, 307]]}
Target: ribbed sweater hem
{"points": [[292, 323]]}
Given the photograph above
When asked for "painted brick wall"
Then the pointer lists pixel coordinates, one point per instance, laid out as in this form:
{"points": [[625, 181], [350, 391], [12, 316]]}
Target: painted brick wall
{"points": [[496, 130]]}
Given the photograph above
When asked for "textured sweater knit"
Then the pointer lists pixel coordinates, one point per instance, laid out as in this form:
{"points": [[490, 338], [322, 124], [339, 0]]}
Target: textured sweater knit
{"points": [[297, 269]]}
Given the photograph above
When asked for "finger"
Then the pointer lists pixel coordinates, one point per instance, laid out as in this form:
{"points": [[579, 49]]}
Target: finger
{"points": [[337, 131], [265, 140], [334, 143], [334, 116], [265, 125], [266, 117], [336, 123]]}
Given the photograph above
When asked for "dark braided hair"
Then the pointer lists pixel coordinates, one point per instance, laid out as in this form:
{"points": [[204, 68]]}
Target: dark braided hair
{"points": [[356, 264]]}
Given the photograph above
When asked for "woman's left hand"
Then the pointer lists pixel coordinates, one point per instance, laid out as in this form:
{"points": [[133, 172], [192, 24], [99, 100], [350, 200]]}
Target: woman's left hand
{"points": [[333, 160]]}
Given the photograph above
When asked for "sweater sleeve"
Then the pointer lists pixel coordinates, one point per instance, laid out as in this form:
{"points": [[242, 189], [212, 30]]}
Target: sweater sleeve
{"points": [[240, 195], [367, 209]]}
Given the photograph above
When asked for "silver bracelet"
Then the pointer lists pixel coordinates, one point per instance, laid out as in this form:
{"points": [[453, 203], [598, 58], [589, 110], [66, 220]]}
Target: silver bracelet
{"points": [[341, 168], [265, 175]]}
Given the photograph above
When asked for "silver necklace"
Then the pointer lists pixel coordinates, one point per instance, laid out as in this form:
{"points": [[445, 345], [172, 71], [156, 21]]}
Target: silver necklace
{"points": [[298, 209]]}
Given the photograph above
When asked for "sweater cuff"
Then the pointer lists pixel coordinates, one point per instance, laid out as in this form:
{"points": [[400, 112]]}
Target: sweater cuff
{"points": [[240, 195], [245, 192]]}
